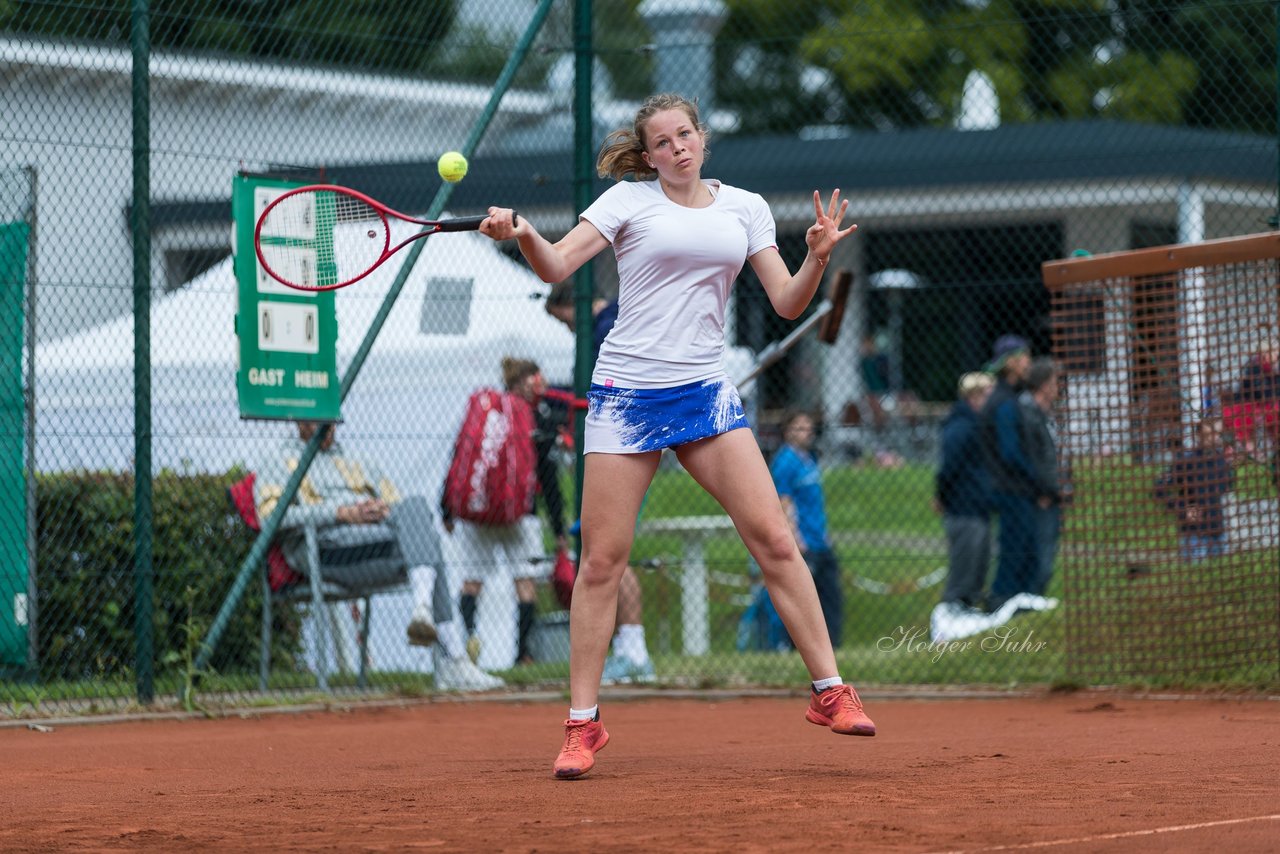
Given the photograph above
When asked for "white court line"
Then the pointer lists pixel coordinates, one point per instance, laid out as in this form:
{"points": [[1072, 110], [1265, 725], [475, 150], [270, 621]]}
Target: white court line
{"points": [[1102, 837]]}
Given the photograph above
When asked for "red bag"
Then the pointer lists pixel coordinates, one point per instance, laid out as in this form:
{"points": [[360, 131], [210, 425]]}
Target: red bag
{"points": [[279, 574], [492, 477], [563, 576]]}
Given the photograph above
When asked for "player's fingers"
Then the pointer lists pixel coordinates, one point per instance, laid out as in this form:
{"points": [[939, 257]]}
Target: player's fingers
{"points": [[817, 206], [835, 199], [844, 206], [498, 224]]}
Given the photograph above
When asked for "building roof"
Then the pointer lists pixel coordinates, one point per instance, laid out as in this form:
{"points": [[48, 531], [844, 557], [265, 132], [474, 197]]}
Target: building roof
{"points": [[1054, 152], [69, 60]]}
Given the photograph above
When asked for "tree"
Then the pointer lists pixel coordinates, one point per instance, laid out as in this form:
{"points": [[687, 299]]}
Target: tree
{"points": [[389, 35], [903, 63]]}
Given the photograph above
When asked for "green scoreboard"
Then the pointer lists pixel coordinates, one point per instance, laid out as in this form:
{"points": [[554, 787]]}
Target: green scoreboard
{"points": [[288, 338]]}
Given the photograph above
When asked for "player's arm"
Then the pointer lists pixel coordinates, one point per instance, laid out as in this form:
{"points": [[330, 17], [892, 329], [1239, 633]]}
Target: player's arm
{"points": [[791, 294], [553, 262], [268, 492]]}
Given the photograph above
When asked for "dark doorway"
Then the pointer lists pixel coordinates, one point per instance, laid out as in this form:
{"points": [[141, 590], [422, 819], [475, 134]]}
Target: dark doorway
{"points": [[975, 284]]}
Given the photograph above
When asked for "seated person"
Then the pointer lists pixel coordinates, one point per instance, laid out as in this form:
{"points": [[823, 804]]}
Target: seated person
{"points": [[1192, 489], [368, 536]]}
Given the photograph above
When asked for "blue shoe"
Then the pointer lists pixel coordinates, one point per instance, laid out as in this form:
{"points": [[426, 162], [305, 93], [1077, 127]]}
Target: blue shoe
{"points": [[617, 670], [643, 672], [620, 670]]}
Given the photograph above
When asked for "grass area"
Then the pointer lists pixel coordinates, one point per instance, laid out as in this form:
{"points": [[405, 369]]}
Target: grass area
{"points": [[1189, 624], [1132, 613]]}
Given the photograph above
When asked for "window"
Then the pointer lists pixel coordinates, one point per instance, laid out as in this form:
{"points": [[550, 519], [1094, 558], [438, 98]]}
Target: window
{"points": [[183, 265], [446, 308]]}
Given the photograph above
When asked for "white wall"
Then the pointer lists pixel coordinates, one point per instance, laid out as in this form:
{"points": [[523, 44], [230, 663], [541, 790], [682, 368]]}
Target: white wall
{"points": [[67, 111]]}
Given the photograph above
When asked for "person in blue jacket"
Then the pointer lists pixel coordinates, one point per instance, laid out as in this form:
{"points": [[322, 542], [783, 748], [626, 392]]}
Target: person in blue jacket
{"points": [[799, 483], [962, 494], [1013, 476]]}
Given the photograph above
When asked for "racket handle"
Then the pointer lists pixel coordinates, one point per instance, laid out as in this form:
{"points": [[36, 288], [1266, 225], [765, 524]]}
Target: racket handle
{"points": [[470, 223]]}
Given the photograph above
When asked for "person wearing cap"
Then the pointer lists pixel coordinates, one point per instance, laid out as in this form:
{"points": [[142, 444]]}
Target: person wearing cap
{"points": [[1013, 477], [962, 494]]}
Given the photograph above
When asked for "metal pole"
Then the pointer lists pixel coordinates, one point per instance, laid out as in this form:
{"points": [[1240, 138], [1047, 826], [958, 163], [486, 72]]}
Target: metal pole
{"points": [[140, 214], [1275, 220], [442, 195], [272, 523], [583, 185], [33, 544]]}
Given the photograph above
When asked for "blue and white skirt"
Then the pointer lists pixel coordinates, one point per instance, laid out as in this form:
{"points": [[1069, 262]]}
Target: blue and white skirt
{"points": [[636, 420]]}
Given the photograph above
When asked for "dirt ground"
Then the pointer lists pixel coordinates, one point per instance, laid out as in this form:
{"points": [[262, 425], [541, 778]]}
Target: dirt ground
{"points": [[1076, 772]]}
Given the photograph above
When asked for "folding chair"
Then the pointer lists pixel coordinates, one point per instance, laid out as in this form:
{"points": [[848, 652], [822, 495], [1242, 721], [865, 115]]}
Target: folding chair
{"points": [[285, 584]]}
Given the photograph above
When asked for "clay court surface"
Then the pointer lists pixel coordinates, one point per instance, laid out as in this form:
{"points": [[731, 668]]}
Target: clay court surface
{"points": [[1075, 772]]}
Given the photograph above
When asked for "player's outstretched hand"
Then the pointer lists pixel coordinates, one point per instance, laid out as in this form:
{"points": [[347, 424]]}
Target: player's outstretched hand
{"points": [[825, 232], [503, 224]]}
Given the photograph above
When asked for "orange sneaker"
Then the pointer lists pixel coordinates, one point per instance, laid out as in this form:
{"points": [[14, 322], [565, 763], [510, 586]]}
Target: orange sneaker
{"points": [[841, 709], [581, 741]]}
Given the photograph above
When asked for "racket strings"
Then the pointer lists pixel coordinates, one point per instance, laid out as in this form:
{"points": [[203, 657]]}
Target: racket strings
{"points": [[322, 239]]}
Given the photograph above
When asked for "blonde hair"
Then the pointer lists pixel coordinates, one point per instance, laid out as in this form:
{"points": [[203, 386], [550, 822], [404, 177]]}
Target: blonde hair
{"points": [[623, 151], [975, 383], [514, 371]]}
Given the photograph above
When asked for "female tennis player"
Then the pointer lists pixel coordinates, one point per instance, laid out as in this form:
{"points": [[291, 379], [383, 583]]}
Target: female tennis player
{"points": [[680, 241]]}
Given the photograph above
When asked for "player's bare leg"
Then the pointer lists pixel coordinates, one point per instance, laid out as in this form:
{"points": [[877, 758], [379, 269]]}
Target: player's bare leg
{"points": [[731, 468], [613, 488]]}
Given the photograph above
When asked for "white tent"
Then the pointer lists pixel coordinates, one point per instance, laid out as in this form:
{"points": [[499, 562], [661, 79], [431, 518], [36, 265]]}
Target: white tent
{"points": [[402, 412], [403, 408]]}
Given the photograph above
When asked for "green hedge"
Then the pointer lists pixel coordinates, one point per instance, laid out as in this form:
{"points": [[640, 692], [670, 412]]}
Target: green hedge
{"points": [[85, 575]]}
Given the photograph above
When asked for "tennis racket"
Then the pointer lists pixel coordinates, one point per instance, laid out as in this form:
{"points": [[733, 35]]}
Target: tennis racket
{"points": [[827, 316], [321, 237]]}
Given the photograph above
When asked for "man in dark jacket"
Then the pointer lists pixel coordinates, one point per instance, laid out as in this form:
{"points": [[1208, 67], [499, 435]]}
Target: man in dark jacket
{"points": [[962, 491], [1012, 476], [1041, 445]]}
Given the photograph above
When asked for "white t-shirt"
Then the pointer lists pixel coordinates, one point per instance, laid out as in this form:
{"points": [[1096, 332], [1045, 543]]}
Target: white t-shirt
{"points": [[675, 268]]}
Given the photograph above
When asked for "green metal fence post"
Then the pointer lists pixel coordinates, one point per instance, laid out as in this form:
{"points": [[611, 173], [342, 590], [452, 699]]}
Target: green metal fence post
{"points": [[1275, 219], [584, 278], [139, 40], [272, 523]]}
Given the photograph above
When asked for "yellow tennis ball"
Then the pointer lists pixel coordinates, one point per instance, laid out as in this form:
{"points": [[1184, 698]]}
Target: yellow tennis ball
{"points": [[452, 166]]}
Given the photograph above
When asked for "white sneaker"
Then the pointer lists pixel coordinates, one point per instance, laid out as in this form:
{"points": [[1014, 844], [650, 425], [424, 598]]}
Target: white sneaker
{"points": [[1032, 602], [459, 674], [954, 621]]}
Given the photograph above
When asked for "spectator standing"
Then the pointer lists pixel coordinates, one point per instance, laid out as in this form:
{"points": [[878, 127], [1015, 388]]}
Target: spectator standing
{"points": [[604, 313], [962, 493], [629, 660], [1040, 440], [1013, 485], [1260, 379], [798, 479], [516, 549]]}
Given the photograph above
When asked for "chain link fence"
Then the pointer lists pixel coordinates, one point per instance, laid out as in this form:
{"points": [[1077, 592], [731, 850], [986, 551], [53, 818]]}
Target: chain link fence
{"points": [[977, 141]]}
